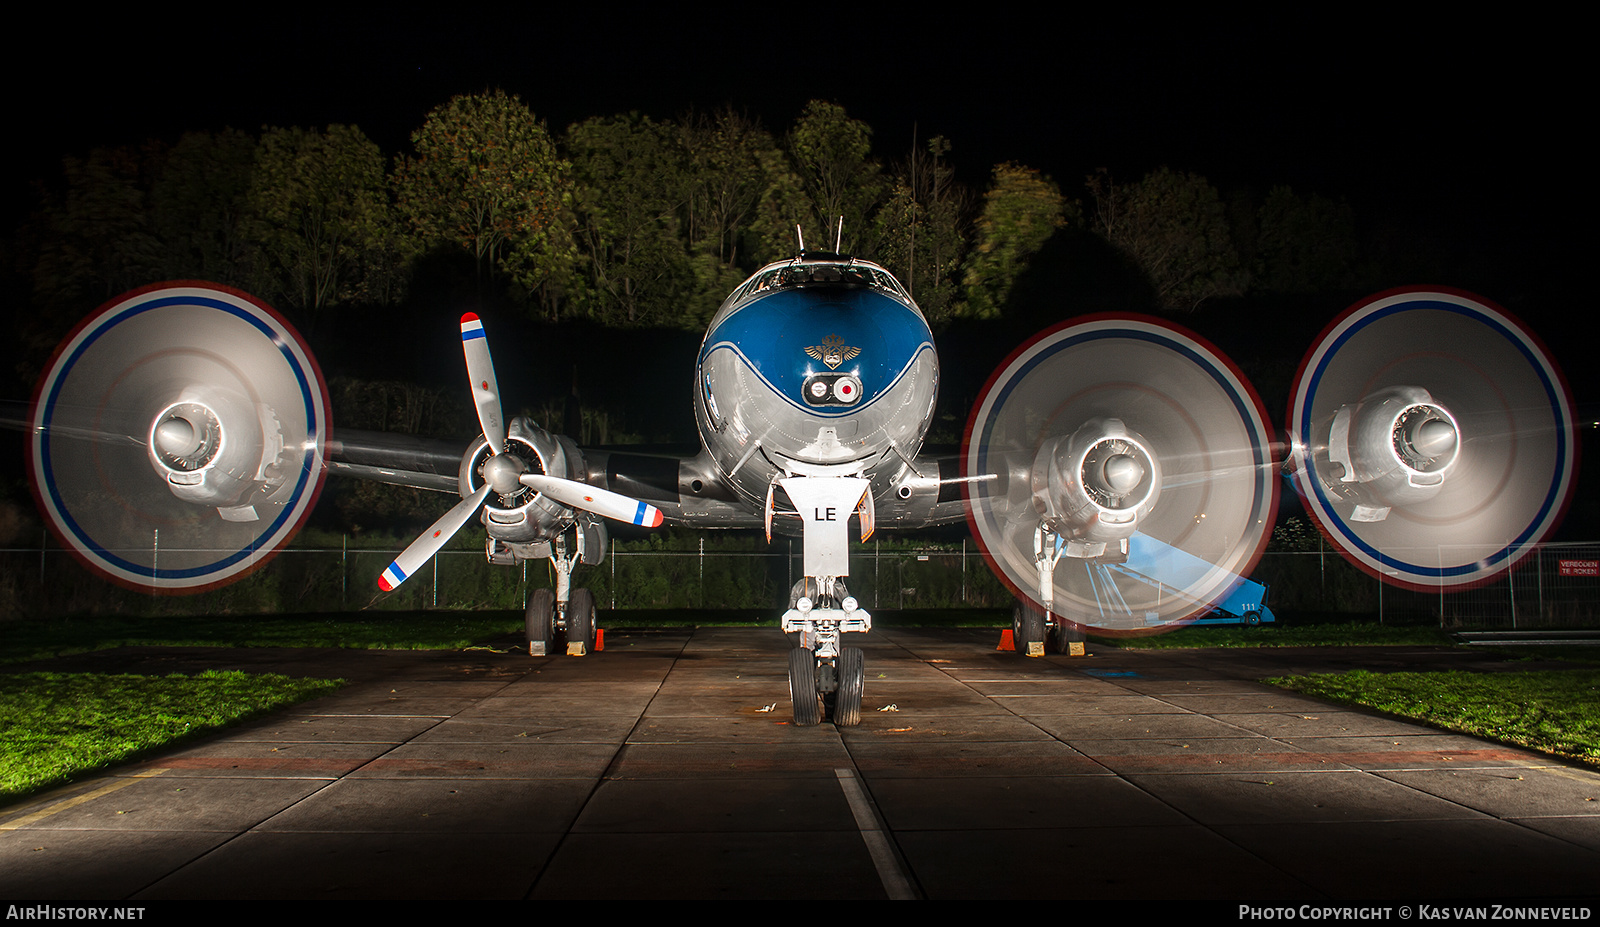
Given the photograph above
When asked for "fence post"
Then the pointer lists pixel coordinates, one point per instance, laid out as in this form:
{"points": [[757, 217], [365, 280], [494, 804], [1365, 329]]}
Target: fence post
{"points": [[1511, 592], [1322, 567], [1538, 578]]}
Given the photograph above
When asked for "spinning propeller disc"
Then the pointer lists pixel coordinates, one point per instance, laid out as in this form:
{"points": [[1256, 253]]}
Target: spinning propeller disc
{"points": [[1201, 421], [1516, 461], [138, 355]]}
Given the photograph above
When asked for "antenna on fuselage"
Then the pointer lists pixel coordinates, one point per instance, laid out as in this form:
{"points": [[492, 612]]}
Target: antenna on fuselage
{"points": [[800, 237], [838, 240]]}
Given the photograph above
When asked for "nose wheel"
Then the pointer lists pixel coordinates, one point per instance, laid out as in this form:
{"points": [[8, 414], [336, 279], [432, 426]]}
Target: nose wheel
{"points": [[819, 685], [851, 677], [803, 687]]}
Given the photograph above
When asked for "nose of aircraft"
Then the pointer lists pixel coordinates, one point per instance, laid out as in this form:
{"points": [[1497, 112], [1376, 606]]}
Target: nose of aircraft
{"points": [[800, 341]]}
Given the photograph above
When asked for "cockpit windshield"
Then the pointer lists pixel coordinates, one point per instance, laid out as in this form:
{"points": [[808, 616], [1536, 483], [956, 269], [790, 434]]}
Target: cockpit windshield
{"points": [[802, 273]]}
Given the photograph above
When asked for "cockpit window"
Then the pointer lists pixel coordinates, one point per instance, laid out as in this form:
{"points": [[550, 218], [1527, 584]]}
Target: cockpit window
{"points": [[819, 273]]}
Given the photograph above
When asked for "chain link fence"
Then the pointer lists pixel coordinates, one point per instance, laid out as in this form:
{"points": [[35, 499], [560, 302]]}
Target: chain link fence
{"points": [[721, 570], [1557, 586]]}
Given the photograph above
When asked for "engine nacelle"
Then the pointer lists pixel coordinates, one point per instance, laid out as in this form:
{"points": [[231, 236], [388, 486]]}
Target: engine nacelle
{"points": [[1394, 448], [215, 447], [1093, 486], [522, 515]]}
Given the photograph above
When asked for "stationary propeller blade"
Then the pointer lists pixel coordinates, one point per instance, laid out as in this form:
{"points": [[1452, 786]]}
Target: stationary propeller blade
{"points": [[424, 547], [593, 499], [485, 388], [503, 470]]}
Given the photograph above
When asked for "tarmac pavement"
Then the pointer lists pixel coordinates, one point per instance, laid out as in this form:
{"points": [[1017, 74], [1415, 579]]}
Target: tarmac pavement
{"points": [[667, 766]]}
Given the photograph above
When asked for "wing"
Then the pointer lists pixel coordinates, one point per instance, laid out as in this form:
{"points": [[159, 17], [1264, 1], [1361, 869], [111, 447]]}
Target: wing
{"points": [[400, 460]]}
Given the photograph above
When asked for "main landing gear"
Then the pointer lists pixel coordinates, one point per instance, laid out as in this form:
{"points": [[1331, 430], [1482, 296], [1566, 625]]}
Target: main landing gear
{"points": [[545, 622], [565, 611], [1035, 630], [1033, 636]]}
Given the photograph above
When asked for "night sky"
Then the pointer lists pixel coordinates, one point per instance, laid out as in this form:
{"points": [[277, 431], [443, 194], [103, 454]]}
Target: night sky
{"points": [[1458, 115]]}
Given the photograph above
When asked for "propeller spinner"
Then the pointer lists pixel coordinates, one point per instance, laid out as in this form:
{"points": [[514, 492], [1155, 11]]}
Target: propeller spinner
{"points": [[504, 472]]}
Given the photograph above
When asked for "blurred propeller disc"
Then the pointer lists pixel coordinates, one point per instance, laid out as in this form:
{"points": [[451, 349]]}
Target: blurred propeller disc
{"points": [[1514, 457], [173, 375], [1201, 421]]}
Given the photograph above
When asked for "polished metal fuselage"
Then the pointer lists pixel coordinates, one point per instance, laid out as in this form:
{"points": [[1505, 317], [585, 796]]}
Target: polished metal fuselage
{"points": [[817, 368]]}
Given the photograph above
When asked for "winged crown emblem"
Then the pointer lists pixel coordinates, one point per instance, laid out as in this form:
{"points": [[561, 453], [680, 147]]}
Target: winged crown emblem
{"points": [[832, 351]]}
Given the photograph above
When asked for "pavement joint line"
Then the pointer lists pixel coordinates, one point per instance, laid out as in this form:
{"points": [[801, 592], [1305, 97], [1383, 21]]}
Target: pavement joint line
{"points": [[77, 800], [441, 716], [890, 872]]}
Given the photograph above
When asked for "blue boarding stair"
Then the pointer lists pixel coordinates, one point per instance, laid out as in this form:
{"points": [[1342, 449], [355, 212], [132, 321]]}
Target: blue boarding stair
{"points": [[1170, 570]]}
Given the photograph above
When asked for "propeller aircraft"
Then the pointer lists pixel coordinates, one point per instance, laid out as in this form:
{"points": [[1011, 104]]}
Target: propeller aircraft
{"points": [[1118, 471]]}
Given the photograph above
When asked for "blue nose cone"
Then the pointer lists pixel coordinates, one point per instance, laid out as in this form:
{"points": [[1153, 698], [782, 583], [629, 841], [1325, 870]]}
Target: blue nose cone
{"points": [[797, 338]]}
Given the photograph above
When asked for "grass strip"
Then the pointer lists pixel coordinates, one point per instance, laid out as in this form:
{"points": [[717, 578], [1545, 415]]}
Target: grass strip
{"points": [[57, 726], [1554, 711], [1347, 634], [425, 630]]}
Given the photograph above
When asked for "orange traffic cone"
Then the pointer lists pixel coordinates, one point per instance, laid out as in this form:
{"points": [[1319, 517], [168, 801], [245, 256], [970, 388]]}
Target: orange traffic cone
{"points": [[599, 638], [1006, 643]]}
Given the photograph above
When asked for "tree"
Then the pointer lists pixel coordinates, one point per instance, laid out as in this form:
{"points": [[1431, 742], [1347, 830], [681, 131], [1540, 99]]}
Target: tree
{"points": [[921, 229], [200, 209], [742, 206], [832, 157], [322, 207], [97, 240], [1305, 244], [486, 177], [1172, 225], [630, 180], [1021, 210]]}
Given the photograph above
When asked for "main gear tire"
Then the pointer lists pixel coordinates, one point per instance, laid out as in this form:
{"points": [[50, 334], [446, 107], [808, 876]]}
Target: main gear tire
{"points": [[580, 622], [540, 622]]}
